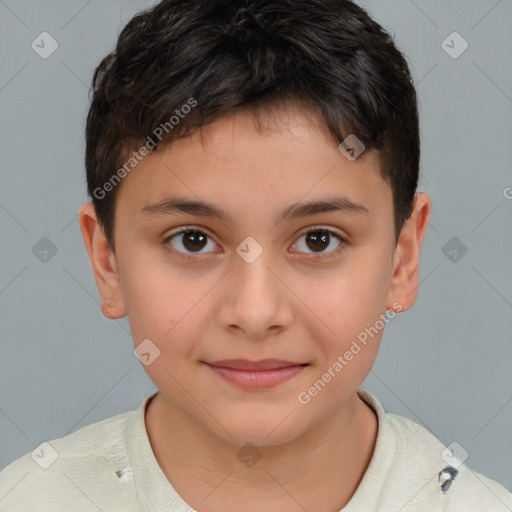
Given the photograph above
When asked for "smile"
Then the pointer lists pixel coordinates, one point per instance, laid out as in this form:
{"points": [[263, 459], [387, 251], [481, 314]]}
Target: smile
{"points": [[257, 374]]}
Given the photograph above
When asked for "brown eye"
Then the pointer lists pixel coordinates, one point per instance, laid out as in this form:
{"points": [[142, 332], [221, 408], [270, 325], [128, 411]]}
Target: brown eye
{"points": [[194, 240], [190, 241], [318, 240]]}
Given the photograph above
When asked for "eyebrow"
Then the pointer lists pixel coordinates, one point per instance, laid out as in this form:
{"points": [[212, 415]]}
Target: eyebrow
{"points": [[201, 208]]}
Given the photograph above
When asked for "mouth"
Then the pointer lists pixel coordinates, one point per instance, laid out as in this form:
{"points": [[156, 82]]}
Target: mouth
{"points": [[256, 374]]}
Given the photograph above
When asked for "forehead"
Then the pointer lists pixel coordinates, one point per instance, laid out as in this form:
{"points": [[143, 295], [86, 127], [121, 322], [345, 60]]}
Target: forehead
{"points": [[255, 160]]}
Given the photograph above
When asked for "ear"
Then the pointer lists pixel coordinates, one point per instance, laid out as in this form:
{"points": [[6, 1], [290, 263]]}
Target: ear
{"points": [[103, 262], [405, 280]]}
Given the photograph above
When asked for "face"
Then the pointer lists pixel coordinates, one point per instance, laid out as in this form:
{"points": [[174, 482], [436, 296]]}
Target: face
{"points": [[220, 264]]}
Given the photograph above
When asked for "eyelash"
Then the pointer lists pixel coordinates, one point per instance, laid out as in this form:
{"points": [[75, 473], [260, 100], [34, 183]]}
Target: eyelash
{"points": [[335, 252]]}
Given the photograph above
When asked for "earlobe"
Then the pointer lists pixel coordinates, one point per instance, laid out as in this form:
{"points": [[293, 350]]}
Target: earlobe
{"points": [[405, 279], [103, 263]]}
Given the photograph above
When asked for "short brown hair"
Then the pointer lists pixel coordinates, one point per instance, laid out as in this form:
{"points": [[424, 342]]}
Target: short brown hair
{"points": [[227, 55]]}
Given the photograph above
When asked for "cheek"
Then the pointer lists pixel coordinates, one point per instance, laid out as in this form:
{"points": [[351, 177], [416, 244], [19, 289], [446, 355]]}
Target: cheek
{"points": [[353, 313], [353, 299], [171, 312], [156, 304], [350, 309]]}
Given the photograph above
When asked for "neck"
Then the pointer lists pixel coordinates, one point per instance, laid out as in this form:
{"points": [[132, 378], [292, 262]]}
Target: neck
{"points": [[319, 470]]}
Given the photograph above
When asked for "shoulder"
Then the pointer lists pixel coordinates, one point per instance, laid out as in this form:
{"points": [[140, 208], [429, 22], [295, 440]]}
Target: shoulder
{"points": [[408, 460], [63, 473], [419, 451]]}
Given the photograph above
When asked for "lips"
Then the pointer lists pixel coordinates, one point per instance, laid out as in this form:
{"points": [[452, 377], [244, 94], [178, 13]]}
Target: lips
{"points": [[255, 375], [243, 364]]}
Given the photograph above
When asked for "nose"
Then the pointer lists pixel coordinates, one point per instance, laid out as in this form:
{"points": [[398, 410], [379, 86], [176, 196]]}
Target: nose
{"points": [[256, 301]]}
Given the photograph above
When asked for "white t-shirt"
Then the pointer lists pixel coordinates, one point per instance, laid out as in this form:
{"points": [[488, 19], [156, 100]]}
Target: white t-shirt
{"points": [[109, 466]]}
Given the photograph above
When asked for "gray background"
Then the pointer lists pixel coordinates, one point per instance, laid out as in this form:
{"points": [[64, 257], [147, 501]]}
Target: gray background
{"points": [[445, 364]]}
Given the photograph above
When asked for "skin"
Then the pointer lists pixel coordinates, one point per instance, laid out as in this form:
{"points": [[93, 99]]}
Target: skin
{"points": [[282, 305]]}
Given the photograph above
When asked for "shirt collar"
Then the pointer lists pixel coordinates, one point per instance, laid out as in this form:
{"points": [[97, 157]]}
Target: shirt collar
{"points": [[155, 492]]}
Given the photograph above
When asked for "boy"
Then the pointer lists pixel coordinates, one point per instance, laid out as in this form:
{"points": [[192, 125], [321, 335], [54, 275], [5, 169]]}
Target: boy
{"points": [[253, 168]]}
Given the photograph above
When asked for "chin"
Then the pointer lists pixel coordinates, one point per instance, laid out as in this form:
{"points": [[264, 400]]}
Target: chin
{"points": [[250, 436], [258, 427]]}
